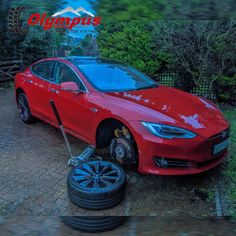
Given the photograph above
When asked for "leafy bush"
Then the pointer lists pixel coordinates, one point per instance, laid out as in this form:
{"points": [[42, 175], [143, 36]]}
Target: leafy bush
{"points": [[203, 49], [131, 43], [225, 88], [201, 52]]}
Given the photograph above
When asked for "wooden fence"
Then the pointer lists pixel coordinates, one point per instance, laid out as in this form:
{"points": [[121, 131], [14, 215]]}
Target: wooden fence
{"points": [[9, 68]]}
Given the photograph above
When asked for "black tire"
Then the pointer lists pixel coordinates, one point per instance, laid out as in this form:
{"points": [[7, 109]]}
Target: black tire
{"points": [[93, 224], [96, 185], [24, 109]]}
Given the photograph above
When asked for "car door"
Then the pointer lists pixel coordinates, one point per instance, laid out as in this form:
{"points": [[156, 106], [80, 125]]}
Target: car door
{"points": [[42, 75], [73, 107]]}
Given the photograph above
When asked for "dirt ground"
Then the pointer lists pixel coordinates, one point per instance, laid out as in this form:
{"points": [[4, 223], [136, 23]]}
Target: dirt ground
{"points": [[33, 171]]}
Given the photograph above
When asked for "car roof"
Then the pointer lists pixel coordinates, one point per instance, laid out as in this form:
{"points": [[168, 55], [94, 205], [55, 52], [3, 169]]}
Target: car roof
{"points": [[69, 58], [80, 60]]}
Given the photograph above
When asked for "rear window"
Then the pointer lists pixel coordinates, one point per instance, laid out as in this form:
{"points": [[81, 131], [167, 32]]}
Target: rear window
{"points": [[44, 69]]}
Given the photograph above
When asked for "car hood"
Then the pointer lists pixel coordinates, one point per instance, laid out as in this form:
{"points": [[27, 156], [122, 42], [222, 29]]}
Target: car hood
{"points": [[195, 113]]}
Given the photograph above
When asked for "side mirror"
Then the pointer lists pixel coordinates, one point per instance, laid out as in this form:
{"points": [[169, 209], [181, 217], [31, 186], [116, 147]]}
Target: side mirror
{"points": [[69, 86]]}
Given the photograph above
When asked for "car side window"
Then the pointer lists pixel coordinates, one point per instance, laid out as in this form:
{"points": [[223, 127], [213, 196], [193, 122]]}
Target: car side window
{"points": [[64, 73], [44, 69]]}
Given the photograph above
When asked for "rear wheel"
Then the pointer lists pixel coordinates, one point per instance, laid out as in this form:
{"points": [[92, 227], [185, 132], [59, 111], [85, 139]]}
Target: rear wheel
{"points": [[23, 108]]}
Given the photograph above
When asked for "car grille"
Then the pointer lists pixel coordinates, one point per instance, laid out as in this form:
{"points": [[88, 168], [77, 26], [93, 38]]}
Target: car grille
{"points": [[180, 164], [171, 163]]}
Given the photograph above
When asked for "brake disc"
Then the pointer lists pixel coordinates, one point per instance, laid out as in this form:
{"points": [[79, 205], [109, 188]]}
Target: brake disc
{"points": [[122, 150]]}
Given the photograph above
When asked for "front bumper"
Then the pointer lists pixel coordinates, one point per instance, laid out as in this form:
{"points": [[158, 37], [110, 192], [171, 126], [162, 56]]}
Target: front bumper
{"points": [[151, 168], [197, 152]]}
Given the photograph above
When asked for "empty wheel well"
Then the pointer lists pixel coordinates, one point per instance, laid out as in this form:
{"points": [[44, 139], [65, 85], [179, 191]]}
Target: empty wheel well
{"points": [[105, 132]]}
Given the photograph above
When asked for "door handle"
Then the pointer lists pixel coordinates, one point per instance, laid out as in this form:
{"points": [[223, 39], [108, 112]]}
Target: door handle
{"points": [[54, 90]]}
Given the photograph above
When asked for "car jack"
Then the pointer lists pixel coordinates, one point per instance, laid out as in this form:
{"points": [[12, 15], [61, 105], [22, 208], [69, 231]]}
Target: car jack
{"points": [[84, 156], [74, 160]]}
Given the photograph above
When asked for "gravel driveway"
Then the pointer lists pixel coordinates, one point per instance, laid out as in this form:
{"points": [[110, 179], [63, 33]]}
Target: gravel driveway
{"points": [[33, 171]]}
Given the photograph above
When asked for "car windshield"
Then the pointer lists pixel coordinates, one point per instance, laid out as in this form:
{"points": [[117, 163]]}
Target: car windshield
{"points": [[114, 78]]}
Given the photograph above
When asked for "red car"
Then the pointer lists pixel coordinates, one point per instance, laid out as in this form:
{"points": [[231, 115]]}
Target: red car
{"points": [[163, 130]]}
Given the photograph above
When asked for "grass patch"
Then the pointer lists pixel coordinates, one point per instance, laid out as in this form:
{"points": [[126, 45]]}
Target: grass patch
{"points": [[230, 171]]}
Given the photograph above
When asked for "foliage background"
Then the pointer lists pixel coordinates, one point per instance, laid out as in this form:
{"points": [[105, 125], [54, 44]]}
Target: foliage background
{"points": [[165, 9], [202, 52]]}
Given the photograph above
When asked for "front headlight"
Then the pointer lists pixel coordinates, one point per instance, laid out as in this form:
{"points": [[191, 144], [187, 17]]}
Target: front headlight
{"points": [[168, 131]]}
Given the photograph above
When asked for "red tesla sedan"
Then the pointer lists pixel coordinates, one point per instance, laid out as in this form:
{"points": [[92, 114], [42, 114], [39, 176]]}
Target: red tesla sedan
{"points": [[164, 130]]}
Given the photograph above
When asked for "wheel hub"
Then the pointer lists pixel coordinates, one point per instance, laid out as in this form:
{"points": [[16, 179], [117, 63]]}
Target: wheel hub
{"points": [[96, 174], [23, 107], [122, 150]]}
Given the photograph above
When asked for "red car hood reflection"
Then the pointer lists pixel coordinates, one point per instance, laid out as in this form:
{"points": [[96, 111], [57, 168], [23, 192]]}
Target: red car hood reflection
{"points": [[195, 113]]}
